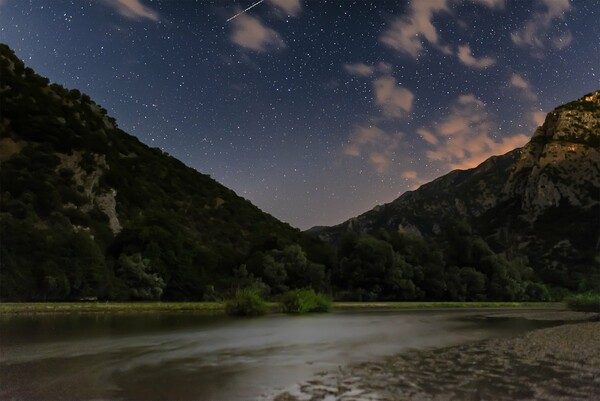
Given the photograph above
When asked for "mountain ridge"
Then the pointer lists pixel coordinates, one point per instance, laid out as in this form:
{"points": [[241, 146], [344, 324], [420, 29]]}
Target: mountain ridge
{"points": [[558, 167], [88, 211]]}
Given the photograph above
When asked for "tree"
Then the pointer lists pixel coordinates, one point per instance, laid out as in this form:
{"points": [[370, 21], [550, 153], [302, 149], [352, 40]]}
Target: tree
{"points": [[143, 284]]}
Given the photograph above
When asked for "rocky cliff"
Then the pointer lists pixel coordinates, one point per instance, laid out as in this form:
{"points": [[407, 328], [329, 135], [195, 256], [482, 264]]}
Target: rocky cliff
{"points": [[543, 198]]}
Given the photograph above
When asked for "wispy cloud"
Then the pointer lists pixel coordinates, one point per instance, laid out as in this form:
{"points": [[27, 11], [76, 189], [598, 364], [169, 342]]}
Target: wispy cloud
{"points": [[536, 31], [466, 57], [463, 138], [409, 32], [249, 32], [491, 3], [428, 136], [538, 117], [519, 82], [562, 41], [395, 101], [290, 7], [359, 69], [133, 9], [406, 33], [364, 70], [374, 144]]}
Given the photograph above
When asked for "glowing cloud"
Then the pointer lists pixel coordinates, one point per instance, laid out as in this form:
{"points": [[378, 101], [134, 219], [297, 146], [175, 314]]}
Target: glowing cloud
{"points": [[250, 33], [536, 30], [132, 9], [376, 144], [290, 7], [463, 138], [406, 34], [465, 57], [395, 101], [359, 69], [517, 81]]}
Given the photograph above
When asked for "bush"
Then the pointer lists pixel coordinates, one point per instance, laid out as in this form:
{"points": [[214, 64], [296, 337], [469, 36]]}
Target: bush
{"points": [[247, 302], [305, 301], [584, 302]]}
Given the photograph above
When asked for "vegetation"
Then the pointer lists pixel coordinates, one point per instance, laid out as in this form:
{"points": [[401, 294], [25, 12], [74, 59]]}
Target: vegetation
{"points": [[589, 302], [305, 301], [219, 307], [173, 234], [247, 302], [89, 213]]}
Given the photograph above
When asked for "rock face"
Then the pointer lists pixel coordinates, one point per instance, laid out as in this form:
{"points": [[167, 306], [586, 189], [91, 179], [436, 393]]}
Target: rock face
{"points": [[544, 196]]}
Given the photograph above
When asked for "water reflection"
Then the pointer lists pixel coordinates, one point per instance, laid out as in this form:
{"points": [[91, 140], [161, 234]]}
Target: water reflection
{"points": [[188, 356]]}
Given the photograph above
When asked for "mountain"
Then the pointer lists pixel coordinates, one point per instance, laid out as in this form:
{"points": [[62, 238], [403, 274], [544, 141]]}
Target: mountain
{"points": [[89, 212], [542, 200]]}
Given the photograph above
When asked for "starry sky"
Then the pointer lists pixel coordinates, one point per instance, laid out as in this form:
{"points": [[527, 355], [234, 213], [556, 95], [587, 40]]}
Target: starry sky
{"points": [[317, 110]]}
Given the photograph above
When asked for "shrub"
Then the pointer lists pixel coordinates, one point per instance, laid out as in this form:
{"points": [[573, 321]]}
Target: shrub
{"points": [[589, 302], [247, 302], [305, 301]]}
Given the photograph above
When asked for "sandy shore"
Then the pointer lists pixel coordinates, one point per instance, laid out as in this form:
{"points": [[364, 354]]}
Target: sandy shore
{"points": [[559, 363]]}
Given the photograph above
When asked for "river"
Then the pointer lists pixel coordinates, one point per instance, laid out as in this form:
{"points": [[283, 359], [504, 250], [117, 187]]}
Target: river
{"points": [[191, 356]]}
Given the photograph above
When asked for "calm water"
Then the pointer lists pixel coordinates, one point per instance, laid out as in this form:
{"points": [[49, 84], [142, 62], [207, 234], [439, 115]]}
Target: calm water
{"points": [[188, 356]]}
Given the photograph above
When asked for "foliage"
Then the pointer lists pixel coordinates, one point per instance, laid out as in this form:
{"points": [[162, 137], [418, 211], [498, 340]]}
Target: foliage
{"points": [[182, 237], [305, 301], [185, 237], [247, 302], [589, 302]]}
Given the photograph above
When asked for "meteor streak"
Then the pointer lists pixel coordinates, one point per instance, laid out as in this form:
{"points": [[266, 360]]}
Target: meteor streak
{"points": [[241, 12]]}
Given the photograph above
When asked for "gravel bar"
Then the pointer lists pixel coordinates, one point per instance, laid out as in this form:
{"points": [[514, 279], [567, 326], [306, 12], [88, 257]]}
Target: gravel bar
{"points": [[558, 363]]}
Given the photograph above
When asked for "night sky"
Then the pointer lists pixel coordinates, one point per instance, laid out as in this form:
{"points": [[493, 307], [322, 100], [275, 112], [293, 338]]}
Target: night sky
{"points": [[317, 110]]}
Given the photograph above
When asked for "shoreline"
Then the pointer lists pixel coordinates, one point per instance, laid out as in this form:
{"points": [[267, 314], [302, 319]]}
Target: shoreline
{"points": [[555, 364], [23, 308]]}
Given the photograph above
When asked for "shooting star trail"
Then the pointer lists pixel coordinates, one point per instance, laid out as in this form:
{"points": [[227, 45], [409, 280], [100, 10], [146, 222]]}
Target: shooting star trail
{"points": [[241, 12]]}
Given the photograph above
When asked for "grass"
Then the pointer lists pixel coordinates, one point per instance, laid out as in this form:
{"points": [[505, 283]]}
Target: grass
{"points": [[219, 307], [305, 301], [443, 305], [584, 302], [247, 302], [75, 307]]}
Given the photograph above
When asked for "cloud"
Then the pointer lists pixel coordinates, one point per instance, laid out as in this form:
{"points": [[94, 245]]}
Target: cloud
{"points": [[394, 100], [132, 9], [290, 7], [463, 138], [517, 81], [535, 32], [560, 42], [410, 174], [491, 3], [465, 57], [406, 34], [374, 143], [427, 136], [538, 117], [250, 33], [364, 70], [359, 69], [3, 2]]}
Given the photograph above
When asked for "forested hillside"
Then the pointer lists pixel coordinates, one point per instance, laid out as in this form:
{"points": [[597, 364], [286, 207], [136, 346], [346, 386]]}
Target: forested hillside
{"points": [[88, 211]]}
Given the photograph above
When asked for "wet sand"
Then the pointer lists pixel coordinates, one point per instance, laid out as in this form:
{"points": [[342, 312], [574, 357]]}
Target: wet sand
{"points": [[558, 363]]}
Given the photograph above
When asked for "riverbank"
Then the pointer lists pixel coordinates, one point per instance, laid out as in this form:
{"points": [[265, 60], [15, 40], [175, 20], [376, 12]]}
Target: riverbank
{"points": [[554, 364], [218, 307]]}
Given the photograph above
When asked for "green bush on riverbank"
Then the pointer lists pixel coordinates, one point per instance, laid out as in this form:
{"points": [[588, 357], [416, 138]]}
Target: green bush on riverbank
{"points": [[305, 301], [247, 302], [584, 302]]}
